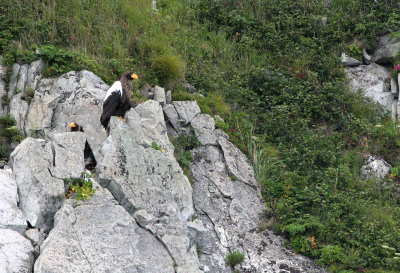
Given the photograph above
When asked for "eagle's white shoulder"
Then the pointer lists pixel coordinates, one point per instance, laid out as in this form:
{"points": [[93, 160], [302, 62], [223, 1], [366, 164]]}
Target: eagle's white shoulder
{"points": [[116, 87]]}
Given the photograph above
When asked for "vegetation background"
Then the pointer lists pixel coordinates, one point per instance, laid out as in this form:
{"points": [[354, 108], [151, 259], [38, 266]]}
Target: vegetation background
{"points": [[271, 70]]}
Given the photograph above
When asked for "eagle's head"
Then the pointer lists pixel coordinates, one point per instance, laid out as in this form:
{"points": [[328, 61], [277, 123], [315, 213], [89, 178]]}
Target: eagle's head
{"points": [[130, 76]]}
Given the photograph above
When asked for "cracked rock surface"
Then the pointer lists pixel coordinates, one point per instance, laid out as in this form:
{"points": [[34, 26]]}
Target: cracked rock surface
{"points": [[145, 216], [99, 235], [151, 186]]}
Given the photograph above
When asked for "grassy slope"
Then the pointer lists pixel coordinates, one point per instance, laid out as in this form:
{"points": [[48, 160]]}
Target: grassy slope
{"points": [[275, 60]]}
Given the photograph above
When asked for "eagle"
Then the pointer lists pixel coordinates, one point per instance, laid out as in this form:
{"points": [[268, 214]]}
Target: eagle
{"points": [[118, 98]]}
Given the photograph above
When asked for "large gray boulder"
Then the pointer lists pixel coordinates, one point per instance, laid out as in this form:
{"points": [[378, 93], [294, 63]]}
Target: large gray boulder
{"points": [[40, 193], [68, 154], [16, 252], [150, 185], [74, 96], [99, 235], [228, 202], [204, 126], [388, 47], [39, 167], [10, 215], [375, 168], [152, 127], [187, 110], [372, 80]]}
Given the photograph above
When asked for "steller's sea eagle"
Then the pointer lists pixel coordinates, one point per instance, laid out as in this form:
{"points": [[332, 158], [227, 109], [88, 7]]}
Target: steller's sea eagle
{"points": [[118, 98]]}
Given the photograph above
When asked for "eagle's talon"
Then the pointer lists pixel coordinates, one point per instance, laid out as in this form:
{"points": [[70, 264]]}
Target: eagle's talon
{"points": [[122, 118]]}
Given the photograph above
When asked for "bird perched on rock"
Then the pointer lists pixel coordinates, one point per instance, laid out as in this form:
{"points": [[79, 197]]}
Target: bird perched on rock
{"points": [[75, 127], [90, 161], [118, 98]]}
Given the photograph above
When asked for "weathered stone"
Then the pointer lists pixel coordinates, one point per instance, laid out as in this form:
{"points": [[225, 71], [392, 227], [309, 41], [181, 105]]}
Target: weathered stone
{"points": [[34, 73], [3, 91], [3, 69], [75, 96], [113, 243], [153, 126], [204, 127], [371, 79], [237, 163], [231, 212], [40, 193], [394, 110], [168, 97], [13, 79], [171, 131], [375, 168], [35, 236], [393, 87], [19, 109], [159, 95], [148, 179], [190, 88], [68, 154], [22, 78], [16, 252], [171, 116], [187, 110], [366, 58], [348, 61], [388, 47], [10, 215]]}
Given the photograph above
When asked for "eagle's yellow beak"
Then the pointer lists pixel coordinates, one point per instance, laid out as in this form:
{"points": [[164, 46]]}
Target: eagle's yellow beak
{"points": [[134, 76], [72, 125]]}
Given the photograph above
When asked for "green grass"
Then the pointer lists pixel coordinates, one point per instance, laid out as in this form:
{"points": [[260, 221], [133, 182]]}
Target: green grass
{"points": [[9, 133], [289, 109]]}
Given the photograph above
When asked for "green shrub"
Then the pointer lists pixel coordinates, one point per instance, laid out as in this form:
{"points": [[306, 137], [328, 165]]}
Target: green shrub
{"points": [[82, 188], [183, 144], [28, 95], [168, 68], [234, 259]]}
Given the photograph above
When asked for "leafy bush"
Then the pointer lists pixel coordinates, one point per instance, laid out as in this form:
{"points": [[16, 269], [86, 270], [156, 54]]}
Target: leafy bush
{"points": [[168, 68], [234, 259], [82, 188], [28, 95], [9, 133], [183, 144]]}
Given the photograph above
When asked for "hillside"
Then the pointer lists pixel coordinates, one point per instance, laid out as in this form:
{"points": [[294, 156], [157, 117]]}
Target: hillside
{"points": [[272, 71]]}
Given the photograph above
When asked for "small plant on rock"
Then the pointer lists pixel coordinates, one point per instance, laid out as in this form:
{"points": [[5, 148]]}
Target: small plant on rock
{"points": [[234, 259], [81, 188], [28, 95]]}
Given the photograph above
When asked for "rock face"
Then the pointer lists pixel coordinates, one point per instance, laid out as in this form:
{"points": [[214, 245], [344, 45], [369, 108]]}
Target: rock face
{"points": [[375, 168], [151, 186], [348, 61], [229, 204], [145, 216], [100, 236], [16, 252], [387, 49], [373, 80], [10, 215]]}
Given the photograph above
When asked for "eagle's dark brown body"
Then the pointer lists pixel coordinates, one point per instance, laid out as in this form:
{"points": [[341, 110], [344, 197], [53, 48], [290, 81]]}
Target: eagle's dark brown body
{"points": [[118, 99]]}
